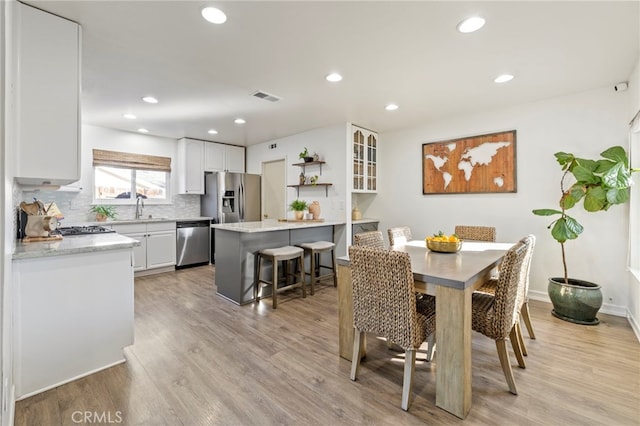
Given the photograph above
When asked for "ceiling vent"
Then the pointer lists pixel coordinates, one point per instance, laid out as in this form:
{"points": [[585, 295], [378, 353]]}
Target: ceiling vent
{"points": [[266, 96]]}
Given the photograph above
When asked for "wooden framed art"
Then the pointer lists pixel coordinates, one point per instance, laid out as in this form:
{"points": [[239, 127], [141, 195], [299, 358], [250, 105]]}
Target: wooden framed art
{"points": [[474, 164]]}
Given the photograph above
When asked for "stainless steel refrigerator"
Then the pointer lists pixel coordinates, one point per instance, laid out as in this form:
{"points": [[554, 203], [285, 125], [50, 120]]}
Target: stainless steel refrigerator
{"points": [[229, 198]]}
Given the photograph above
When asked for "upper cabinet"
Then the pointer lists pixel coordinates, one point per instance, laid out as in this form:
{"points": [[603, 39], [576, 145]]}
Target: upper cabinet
{"points": [[190, 166], [47, 98], [223, 158], [365, 160]]}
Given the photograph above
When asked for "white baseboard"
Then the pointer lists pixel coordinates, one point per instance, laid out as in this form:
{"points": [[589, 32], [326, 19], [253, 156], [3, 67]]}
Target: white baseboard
{"points": [[634, 325]]}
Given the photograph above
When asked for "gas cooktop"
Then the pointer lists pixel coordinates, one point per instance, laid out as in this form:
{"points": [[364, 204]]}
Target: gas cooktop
{"points": [[83, 230]]}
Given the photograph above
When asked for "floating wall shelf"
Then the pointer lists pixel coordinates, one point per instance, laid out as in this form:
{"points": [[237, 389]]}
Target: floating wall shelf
{"points": [[326, 187]]}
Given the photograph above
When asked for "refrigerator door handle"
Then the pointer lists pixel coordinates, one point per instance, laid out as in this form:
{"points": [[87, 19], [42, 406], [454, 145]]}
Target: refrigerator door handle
{"points": [[241, 201]]}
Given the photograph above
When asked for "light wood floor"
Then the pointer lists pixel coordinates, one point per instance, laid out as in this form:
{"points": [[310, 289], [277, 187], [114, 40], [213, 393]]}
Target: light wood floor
{"points": [[200, 360]]}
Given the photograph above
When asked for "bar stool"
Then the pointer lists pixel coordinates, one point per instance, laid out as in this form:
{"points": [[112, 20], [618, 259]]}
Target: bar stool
{"points": [[314, 250], [281, 254]]}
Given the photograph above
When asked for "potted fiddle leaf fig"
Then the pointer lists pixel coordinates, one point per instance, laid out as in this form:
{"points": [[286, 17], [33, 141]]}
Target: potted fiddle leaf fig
{"points": [[599, 184]]}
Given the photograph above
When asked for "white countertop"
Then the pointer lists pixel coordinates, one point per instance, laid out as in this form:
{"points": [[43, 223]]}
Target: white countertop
{"points": [[73, 245], [272, 225], [142, 220]]}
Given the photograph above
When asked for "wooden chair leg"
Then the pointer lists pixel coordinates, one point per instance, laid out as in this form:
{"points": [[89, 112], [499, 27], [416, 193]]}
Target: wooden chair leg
{"points": [[274, 284], [501, 345], [358, 342], [333, 265], [407, 383], [524, 311], [258, 284], [523, 347], [515, 343], [301, 278], [313, 271], [431, 346]]}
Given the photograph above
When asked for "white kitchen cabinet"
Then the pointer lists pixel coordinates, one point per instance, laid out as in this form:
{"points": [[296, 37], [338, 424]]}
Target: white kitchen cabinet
{"points": [[157, 250], [47, 98], [223, 158], [190, 168], [364, 145]]}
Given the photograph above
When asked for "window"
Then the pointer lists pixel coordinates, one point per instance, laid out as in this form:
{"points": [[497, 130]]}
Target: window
{"points": [[121, 177]]}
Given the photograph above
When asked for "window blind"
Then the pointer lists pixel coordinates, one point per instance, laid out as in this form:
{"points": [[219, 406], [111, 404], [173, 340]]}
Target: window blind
{"points": [[129, 160]]}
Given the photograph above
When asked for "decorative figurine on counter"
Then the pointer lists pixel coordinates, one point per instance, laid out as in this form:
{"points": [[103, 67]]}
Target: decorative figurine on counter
{"points": [[302, 178]]}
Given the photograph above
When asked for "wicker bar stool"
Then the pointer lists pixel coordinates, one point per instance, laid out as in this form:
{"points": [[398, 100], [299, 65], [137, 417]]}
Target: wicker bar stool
{"points": [[284, 254], [314, 250]]}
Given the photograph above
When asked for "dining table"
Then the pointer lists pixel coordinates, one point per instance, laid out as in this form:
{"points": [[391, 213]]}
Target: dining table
{"points": [[451, 277]]}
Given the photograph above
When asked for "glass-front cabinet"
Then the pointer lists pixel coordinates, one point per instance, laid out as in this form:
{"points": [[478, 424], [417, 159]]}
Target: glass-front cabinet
{"points": [[365, 166]]}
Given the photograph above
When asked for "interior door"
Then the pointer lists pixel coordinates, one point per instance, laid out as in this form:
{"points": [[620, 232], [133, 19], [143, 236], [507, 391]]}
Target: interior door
{"points": [[274, 185]]}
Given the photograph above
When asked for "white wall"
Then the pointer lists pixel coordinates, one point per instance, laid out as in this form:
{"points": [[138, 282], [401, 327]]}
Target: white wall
{"points": [[7, 217], [329, 143], [584, 123], [75, 205], [634, 278]]}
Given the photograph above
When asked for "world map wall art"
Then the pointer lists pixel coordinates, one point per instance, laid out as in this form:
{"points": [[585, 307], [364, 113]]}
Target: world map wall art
{"points": [[474, 164]]}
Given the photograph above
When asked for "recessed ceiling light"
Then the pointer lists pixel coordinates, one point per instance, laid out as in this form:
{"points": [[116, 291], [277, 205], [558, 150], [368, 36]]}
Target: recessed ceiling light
{"points": [[129, 116], [239, 121], [150, 100], [503, 78], [334, 77], [212, 131], [143, 130], [213, 15], [470, 25], [391, 107]]}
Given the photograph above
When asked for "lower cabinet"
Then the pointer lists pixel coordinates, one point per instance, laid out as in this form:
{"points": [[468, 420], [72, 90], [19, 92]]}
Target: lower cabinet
{"points": [[157, 250]]}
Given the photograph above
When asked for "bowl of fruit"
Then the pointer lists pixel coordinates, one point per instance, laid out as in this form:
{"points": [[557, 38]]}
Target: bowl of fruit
{"points": [[442, 243]]}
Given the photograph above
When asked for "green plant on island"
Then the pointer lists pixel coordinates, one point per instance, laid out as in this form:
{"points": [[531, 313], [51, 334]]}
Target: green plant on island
{"points": [[598, 183], [298, 205]]}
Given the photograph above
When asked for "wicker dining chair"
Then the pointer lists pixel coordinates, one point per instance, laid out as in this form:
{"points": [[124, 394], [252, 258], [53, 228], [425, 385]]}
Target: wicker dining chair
{"points": [[475, 233], [489, 287], [385, 304], [495, 316], [399, 235], [369, 239]]}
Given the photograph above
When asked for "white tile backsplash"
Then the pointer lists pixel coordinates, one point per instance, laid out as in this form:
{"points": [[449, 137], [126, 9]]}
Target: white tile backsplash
{"points": [[75, 206]]}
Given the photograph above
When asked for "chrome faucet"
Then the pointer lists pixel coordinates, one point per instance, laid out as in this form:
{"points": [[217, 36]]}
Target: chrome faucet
{"points": [[139, 206]]}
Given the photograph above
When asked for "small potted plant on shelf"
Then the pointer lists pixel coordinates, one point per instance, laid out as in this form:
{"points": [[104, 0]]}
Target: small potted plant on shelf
{"points": [[304, 155], [103, 212], [298, 207], [599, 184]]}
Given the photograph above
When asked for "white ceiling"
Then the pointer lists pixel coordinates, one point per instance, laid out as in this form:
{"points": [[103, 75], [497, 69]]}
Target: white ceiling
{"points": [[408, 53]]}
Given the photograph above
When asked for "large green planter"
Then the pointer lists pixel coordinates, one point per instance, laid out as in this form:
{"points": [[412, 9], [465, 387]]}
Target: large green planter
{"points": [[577, 302]]}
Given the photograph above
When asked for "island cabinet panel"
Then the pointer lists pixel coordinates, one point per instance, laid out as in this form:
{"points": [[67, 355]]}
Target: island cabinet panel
{"points": [[73, 317], [236, 256], [235, 261]]}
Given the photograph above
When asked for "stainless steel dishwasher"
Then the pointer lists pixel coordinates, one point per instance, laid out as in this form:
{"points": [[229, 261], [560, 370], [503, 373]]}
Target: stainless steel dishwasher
{"points": [[192, 243]]}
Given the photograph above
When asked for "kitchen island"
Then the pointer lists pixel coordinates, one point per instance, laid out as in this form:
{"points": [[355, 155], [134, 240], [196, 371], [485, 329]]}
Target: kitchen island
{"points": [[73, 308], [238, 243]]}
